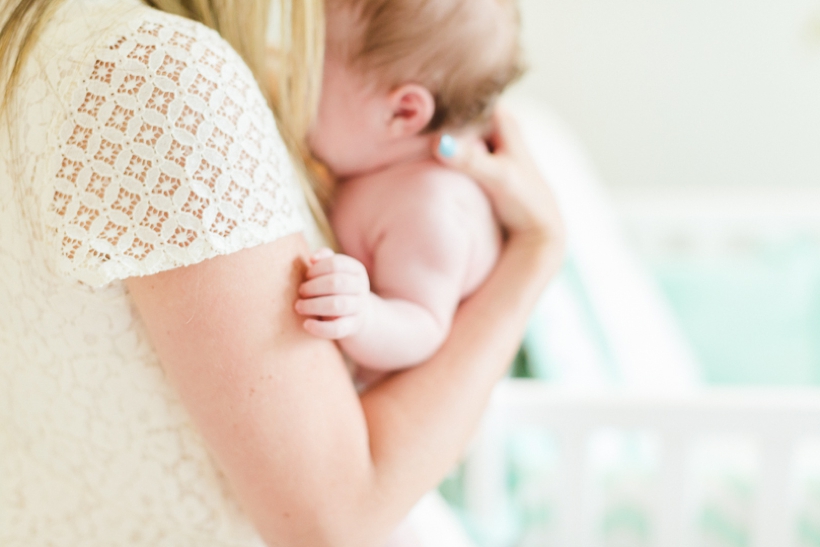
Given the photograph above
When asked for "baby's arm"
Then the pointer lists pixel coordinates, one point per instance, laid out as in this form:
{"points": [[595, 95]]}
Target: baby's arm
{"points": [[419, 267]]}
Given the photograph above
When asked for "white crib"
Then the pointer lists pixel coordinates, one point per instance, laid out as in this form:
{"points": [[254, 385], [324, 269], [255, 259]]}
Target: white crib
{"points": [[777, 422], [769, 438]]}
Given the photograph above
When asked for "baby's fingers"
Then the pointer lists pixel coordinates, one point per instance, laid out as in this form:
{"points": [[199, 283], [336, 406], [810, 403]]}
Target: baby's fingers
{"points": [[337, 283], [332, 330], [322, 253], [336, 263], [329, 306]]}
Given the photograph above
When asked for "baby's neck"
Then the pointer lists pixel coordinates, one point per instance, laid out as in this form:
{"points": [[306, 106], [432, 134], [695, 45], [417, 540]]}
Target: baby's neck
{"points": [[405, 151]]}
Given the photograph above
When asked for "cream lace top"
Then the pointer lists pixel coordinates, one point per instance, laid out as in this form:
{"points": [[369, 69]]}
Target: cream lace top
{"points": [[138, 142]]}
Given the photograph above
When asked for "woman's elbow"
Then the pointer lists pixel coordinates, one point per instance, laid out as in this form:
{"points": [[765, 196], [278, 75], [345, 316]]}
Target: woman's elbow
{"points": [[325, 526], [336, 513]]}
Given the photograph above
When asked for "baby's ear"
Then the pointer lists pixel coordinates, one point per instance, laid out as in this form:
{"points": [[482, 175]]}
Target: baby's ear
{"points": [[412, 107]]}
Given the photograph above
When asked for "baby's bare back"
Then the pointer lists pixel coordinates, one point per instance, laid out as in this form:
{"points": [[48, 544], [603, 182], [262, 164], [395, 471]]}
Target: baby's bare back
{"points": [[425, 213]]}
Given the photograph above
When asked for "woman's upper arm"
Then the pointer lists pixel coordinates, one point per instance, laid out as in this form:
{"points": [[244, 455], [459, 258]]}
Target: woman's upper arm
{"points": [[169, 173], [273, 403]]}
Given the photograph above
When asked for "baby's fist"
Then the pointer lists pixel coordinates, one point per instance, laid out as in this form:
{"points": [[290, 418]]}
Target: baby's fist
{"points": [[335, 295]]}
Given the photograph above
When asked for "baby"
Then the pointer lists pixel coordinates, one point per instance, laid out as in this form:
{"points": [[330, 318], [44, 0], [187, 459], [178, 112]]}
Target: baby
{"points": [[417, 237]]}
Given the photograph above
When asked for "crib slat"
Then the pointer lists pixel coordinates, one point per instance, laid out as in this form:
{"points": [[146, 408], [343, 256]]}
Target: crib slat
{"points": [[485, 486], [672, 529], [573, 524], [773, 525]]}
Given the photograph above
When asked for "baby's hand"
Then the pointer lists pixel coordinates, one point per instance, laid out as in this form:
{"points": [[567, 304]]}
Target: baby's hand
{"points": [[336, 295]]}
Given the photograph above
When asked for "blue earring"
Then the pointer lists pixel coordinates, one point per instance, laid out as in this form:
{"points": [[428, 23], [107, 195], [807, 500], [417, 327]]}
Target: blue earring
{"points": [[447, 146]]}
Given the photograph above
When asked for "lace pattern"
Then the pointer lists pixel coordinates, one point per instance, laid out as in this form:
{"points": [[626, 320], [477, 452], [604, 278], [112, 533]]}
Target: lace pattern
{"points": [[169, 156]]}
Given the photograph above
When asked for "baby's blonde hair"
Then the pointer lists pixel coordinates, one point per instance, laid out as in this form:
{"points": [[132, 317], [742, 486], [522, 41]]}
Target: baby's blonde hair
{"points": [[464, 51]]}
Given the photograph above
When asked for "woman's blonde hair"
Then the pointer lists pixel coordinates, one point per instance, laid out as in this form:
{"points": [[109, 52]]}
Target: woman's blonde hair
{"points": [[289, 74]]}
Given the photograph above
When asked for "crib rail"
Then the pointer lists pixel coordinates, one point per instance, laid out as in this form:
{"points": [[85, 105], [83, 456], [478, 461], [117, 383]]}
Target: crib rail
{"points": [[775, 420]]}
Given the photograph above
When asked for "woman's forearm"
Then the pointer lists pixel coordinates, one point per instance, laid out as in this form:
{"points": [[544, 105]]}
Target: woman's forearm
{"points": [[420, 420], [310, 462]]}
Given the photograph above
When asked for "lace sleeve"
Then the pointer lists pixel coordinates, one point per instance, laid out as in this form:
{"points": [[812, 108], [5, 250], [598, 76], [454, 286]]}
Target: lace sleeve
{"points": [[169, 156]]}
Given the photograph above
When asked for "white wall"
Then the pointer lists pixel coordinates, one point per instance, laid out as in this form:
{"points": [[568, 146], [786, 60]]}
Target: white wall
{"points": [[683, 93]]}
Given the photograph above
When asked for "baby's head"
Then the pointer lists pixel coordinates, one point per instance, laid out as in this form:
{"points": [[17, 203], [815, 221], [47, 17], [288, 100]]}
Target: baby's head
{"points": [[396, 71]]}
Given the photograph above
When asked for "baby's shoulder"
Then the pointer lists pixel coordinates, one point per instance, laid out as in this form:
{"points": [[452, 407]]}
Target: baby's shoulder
{"points": [[419, 195], [439, 191], [428, 188], [437, 182]]}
